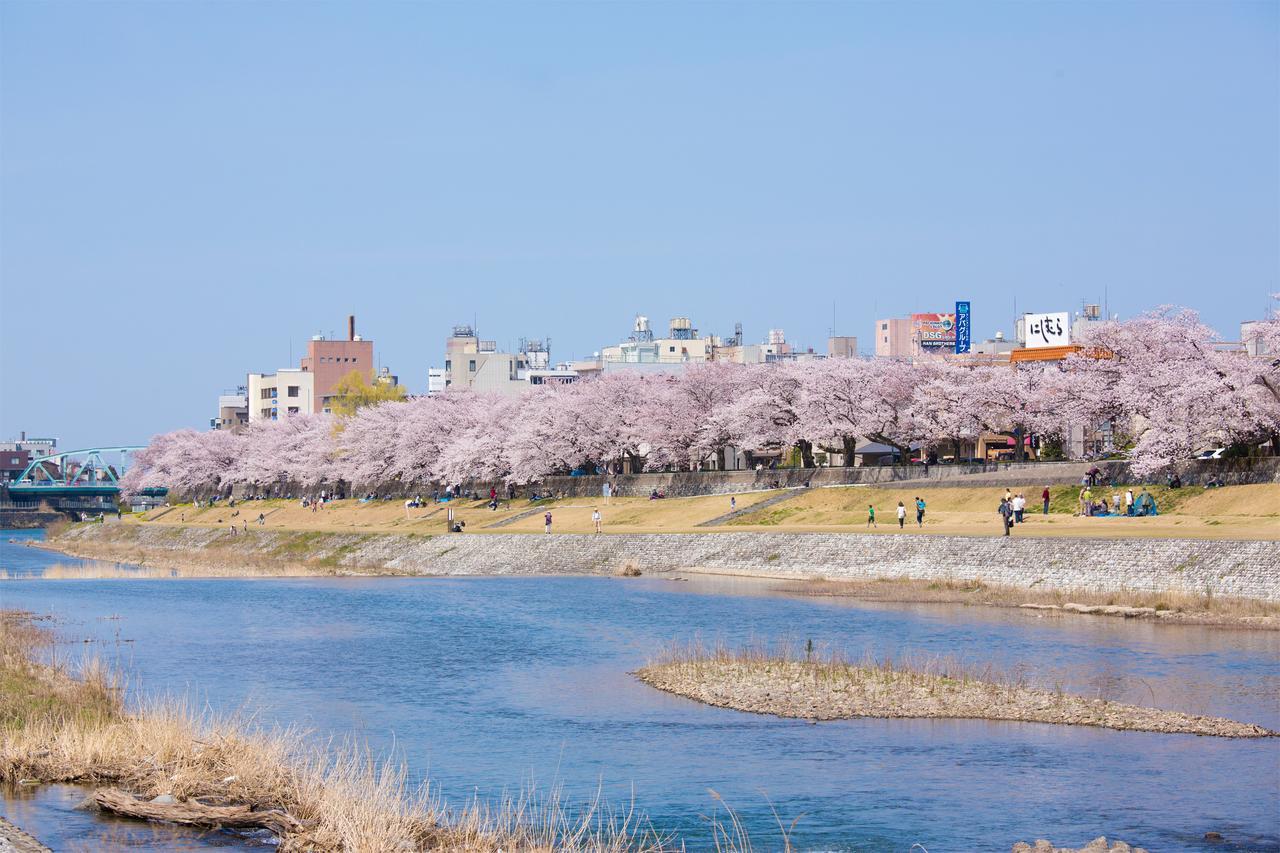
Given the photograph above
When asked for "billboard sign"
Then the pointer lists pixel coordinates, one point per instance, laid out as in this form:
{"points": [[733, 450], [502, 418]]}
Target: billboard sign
{"points": [[1047, 330], [963, 336], [934, 332]]}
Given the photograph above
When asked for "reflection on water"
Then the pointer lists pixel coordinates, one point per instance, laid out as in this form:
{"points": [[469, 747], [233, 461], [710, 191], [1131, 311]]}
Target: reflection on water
{"points": [[485, 683]]}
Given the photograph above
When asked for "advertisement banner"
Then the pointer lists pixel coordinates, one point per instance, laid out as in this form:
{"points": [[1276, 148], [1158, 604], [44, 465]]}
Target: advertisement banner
{"points": [[1047, 330], [934, 332], [963, 337]]}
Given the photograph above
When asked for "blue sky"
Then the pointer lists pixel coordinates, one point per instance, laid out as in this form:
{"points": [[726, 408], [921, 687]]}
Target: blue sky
{"points": [[187, 187]]}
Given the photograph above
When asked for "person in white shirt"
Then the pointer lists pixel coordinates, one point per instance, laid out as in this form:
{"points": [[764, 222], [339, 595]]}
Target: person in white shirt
{"points": [[902, 515], [1019, 504], [595, 519], [1128, 501]]}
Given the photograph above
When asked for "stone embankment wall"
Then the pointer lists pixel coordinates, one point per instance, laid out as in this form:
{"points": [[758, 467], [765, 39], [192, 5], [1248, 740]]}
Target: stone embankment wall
{"points": [[1230, 472], [1224, 568], [687, 483]]}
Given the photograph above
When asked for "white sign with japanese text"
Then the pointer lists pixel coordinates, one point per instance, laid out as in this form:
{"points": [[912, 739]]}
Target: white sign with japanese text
{"points": [[1048, 330]]}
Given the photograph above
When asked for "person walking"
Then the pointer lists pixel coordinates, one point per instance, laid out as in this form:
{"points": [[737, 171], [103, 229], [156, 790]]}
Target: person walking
{"points": [[919, 512], [546, 520], [902, 515], [1044, 496], [871, 516], [733, 503], [1006, 515], [596, 519]]}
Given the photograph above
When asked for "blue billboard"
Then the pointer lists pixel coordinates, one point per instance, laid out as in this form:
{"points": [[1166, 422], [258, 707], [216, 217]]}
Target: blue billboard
{"points": [[963, 336]]}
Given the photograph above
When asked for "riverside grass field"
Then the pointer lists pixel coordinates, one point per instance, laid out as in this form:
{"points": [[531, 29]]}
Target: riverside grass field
{"points": [[1192, 512]]}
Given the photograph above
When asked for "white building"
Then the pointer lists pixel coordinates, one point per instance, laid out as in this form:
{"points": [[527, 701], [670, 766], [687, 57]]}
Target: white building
{"points": [[272, 396]]}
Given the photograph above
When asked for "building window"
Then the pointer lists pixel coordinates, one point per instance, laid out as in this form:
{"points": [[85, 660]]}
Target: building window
{"points": [[884, 327], [265, 394], [293, 410], [448, 365], [293, 390], [671, 349], [471, 365], [354, 359]]}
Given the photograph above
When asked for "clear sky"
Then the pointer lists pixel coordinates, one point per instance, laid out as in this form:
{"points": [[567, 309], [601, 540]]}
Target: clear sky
{"points": [[189, 187]]}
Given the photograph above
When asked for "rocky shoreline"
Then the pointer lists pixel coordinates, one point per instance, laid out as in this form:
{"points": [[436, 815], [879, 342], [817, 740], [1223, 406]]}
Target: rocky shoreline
{"points": [[837, 691]]}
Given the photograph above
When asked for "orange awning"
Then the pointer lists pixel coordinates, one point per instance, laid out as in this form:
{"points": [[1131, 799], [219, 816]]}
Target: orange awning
{"points": [[1043, 353]]}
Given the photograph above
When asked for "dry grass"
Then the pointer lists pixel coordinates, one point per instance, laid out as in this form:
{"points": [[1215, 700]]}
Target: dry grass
{"points": [[800, 681], [1201, 608]]}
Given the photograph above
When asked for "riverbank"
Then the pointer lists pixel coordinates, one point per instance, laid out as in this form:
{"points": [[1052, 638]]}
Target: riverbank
{"points": [[1188, 568], [804, 686], [1233, 512], [170, 763]]}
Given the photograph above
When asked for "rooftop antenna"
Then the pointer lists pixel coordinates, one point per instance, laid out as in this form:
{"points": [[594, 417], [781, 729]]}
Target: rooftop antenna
{"points": [[1106, 304]]}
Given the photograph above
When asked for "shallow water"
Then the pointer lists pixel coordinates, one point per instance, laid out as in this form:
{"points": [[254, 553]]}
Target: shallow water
{"points": [[486, 683]]}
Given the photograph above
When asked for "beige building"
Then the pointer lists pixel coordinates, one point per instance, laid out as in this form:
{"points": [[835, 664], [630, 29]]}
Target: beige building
{"points": [[474, 364], [272, 396], [842, 346], [233, 409], [894, 338]]}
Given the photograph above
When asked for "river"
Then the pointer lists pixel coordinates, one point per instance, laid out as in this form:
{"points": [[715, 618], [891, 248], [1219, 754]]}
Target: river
{"points": [[488, 683]]}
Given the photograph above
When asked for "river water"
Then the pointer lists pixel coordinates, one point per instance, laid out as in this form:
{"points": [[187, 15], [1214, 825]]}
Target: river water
{"points": [[488, 683]]}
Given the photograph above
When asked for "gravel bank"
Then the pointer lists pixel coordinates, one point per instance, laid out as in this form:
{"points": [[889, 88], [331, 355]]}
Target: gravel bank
{"points": [[835, 691]]}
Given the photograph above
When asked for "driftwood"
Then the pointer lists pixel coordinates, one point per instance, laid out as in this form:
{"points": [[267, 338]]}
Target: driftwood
{"points": [[192, 813]]}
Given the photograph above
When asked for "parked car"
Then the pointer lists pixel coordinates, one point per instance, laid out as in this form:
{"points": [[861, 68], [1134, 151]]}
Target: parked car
{"points": [[1212, 453]]}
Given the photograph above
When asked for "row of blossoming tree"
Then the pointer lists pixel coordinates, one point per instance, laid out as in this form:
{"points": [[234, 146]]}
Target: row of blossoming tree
{"points": [[1162, 380]]}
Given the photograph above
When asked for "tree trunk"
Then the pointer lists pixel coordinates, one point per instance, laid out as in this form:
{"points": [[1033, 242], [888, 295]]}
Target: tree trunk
{"points": [[720, 458], [1019, 450], [850, 444], [806, 454], [192, 813]]}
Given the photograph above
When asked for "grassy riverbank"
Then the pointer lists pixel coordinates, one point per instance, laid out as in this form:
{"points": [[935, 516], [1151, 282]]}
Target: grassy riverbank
{"points": [[791, 683], [1233, 512], [59, 724]]}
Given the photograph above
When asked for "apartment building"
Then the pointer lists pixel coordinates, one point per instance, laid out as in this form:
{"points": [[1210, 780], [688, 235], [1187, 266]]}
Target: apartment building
{"points": [[272, 396]]}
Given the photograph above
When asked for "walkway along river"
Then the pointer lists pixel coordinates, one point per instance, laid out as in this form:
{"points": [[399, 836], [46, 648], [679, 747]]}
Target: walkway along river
{"points": [[486, 683]]}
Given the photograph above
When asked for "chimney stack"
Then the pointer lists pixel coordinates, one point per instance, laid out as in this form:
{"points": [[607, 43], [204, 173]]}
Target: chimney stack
{"points": [[351, 327]]}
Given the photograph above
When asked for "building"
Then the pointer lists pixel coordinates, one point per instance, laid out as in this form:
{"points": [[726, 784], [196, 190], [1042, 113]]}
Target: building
{"points": [[474, 364], [233, 409], [1252, 338], [36, 446], [330, 360], [13, 463], [272, 396], [842, 346], [994, 346], [893, 338], [646, 352]]}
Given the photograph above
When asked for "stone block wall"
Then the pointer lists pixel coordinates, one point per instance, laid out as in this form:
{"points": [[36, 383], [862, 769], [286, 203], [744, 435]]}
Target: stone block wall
{"points": [[1226, 568]]}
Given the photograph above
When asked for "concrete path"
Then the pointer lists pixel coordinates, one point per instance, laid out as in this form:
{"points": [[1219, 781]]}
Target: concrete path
{"points": [[747, 510], [511, 519]]}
